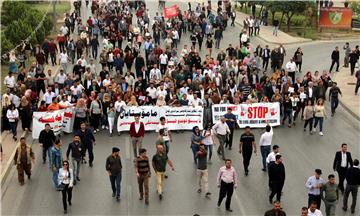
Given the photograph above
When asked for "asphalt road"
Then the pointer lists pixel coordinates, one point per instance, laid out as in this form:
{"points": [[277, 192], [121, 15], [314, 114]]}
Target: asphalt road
{"points": [[92, 195]]}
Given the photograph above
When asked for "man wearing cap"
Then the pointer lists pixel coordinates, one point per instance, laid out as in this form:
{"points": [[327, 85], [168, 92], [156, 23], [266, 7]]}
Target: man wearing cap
{"points": [[137, 131], [314, 184], [113, 166]]}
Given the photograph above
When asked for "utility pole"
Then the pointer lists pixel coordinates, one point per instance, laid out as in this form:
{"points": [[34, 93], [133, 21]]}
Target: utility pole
{"points": [[54, 14]]}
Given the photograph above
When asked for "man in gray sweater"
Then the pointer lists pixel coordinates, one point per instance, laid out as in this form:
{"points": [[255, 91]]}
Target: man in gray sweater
{"points": [[330, 195]]}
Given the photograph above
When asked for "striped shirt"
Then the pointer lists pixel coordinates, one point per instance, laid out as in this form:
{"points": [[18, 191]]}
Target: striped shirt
{"points": [[142, 165]]}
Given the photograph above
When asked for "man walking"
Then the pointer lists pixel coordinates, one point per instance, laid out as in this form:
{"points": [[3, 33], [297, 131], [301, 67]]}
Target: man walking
{"points": [[341, 163], [113, 166], [353, 182], [56, 161], [142, 170], [331, 197], [46, 140], [334, 97], [276, 210], [221, 129], [230, 119], [247, 145], [75, 148], [167, 134], [202, 171], [226, 181], [313, 185], [335, 56], [265, 145], [277, 178], [137, 131], [313, 210], [159, 161], [88, 141], [23, 158]]}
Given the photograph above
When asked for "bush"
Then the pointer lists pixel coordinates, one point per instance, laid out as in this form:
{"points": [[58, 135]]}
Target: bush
{"points": [[298, 20]]}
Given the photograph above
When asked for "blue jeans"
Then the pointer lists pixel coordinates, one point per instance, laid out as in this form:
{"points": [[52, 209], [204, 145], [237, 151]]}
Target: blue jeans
{"points": [[115, 180], [13, 127], [334, 104], [321, 121], [209, 149], [265, 151], [167, 147], [55, 177]]}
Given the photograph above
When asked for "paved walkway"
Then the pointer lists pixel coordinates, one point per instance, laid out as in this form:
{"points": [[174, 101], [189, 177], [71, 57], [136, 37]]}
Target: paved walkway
{"points": [[266, 32], [346, 83]]}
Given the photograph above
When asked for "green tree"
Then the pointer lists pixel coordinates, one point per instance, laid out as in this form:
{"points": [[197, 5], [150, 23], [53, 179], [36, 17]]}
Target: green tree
{"points": [[290, 8], [355, 6], [6, 44]]}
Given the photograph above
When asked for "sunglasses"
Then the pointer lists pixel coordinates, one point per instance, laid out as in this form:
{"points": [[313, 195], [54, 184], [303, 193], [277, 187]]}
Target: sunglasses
{"points": [[65, 164]]}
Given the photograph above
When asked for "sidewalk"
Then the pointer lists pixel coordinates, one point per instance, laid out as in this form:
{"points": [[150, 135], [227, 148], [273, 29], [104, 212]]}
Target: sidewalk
{"points": [[346, 83], [266, 32]]}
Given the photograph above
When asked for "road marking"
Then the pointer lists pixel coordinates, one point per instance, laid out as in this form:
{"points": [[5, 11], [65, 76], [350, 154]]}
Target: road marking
{"points": [[239, 203]]}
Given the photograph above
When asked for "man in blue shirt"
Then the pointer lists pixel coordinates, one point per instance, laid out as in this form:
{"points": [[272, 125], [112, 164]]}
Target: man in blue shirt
{"points": [[230, 121]]}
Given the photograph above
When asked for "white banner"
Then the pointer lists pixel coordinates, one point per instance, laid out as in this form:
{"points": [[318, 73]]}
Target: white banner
{"points": [[256, 115], [177, 118], [59, 120]]}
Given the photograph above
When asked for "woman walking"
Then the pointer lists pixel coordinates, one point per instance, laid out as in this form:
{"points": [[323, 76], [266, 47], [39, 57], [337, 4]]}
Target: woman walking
{"points": [[209, 44], [287, 110], [309, 115], [66, 182], [208, 140], [298, 58], [13, 116], [196, 139], [80, 113], [95, 113], [111, 117], [25, 114], [320, 114]]}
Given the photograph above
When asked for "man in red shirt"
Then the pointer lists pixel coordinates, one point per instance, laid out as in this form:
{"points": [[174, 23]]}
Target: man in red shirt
{"points": [[137, 131]]}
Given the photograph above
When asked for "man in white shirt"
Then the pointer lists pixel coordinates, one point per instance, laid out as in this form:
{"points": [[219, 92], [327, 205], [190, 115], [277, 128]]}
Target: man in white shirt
{"points": [[77, 89], [265, 144], [196, 102], [48, 96], [155, 74], [163, 62], [226, 180], [106, 81], [167, 134], [64, 60], [313, 211], [152, 92], [221, 129], [291, 68], [60, 78], [9, 81], [313, 185], [161, 91]]}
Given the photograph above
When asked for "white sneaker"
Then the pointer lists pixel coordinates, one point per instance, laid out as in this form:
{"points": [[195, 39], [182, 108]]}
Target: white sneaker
{"points": [[103, 127], [107, 128], [321, 134], [314, 130]]}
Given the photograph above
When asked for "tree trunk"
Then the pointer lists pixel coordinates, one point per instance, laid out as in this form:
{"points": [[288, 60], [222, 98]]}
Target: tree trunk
{"points": [[282, 18], [273, 15], [289, 21], [261, 10]]}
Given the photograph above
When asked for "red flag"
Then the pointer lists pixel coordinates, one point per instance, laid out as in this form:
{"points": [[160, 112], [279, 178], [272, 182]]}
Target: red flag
{"points": [[171, 11]]}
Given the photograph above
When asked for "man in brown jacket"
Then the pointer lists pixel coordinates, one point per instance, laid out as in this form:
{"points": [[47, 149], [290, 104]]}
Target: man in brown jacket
{"points": [[23, 158]]}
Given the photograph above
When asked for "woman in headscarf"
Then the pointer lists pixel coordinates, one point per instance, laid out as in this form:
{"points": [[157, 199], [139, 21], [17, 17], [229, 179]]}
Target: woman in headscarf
{"points": [[133, 101]]}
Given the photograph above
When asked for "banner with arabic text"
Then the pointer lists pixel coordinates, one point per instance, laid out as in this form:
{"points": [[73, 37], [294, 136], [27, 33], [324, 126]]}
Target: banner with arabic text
{"points": [[177, 118], [59, 120], [256, 115]]}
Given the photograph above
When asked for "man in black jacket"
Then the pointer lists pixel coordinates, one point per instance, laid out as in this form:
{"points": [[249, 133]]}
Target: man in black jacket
{"points": [[277, 178], [353, 182], [276, 210], [335, 56], [75, 148], [113, 166], [46, 140], [266, 57], [88, 140], [341, 164]]}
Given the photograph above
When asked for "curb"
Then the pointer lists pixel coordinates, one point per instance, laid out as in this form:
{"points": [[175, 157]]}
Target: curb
{"points": [[347, 108], [304, 40], [7, 167]]}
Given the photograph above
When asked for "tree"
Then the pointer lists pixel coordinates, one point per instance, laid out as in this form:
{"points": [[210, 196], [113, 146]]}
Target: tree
{"points": [[290, 8], [355, 6], [21, 21]]}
